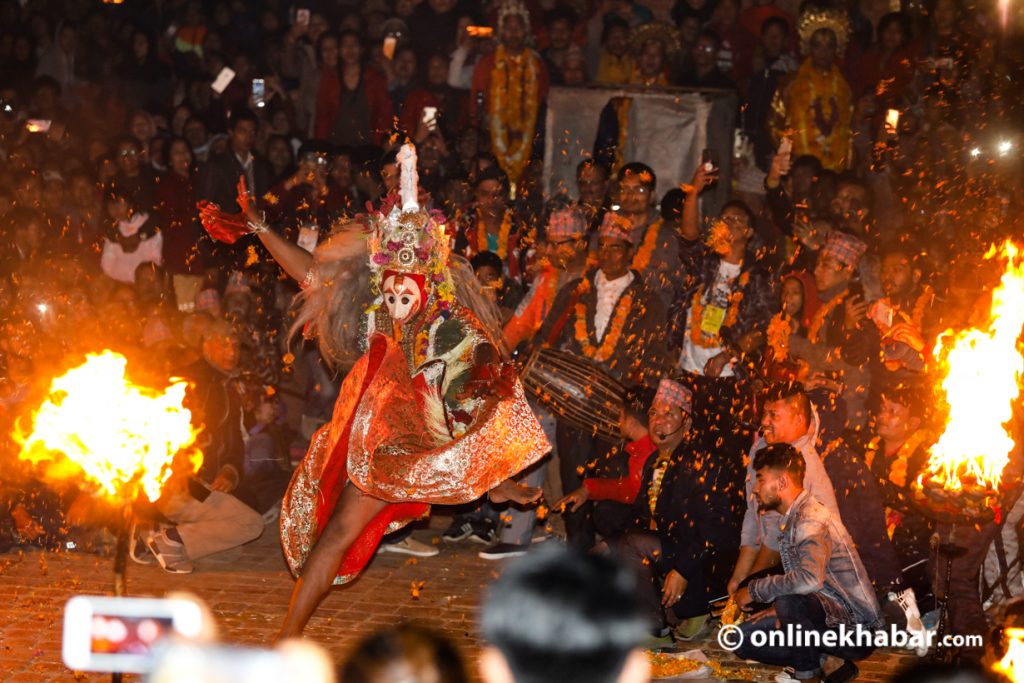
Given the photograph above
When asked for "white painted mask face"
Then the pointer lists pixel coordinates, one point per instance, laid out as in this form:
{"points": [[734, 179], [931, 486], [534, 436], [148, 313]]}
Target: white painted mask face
{"points": [[403, 296]]}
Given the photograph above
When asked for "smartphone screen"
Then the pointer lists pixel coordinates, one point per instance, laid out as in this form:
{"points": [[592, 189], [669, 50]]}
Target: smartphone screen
{"points": [[430, 117], [259, 92], [302, 17], [480, 31], [38, 125], [892, 121], [116, 634], [390, 43], [710, 159]]}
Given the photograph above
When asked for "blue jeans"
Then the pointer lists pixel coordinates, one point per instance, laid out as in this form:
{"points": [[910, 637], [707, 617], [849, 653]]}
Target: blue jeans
{"points": [[802, 611]]}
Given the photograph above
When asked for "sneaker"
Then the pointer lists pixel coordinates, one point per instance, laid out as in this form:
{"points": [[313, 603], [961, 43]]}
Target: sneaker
{"points": [[458, 530], [483, 532], [272, 514], [409, 546], [500, 551], [693, 628], [137, 549], [786, 676], [844, 674], [907, 603], [170, 554]]}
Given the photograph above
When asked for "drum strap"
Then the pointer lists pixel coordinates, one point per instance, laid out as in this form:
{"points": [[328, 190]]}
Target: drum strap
{"points": [[563, 318]]}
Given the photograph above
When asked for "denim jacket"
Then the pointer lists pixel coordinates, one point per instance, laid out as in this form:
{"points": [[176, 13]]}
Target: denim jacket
{"points": [[818, 557]]}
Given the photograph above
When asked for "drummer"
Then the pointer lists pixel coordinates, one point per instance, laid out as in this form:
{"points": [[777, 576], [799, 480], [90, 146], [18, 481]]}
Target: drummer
{"points": [[687, 510], [611, 319]]}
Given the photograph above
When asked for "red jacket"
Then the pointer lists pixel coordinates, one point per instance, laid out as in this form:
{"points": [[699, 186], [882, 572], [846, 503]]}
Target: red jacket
{"points": [[328, 101], [624, 490]]}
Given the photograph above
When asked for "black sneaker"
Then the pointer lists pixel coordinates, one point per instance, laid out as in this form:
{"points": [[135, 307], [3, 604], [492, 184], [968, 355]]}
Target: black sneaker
{"points": [[844, 674], [458, 530], [500, 551], [483, 532]]}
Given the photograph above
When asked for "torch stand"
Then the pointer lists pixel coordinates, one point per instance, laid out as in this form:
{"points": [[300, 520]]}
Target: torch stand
{"points": [[124, 532], [948, 550]]}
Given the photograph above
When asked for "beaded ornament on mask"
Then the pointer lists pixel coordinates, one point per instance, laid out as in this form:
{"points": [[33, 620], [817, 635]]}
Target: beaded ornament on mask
{"points": [[408, 251]]}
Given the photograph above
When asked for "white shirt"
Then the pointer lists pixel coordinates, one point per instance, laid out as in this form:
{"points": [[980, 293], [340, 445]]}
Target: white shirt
{"points": [[120, 265], [694, 357], [608, 293]]}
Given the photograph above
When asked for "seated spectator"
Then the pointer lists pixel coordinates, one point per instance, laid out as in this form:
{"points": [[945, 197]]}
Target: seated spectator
{"points": [[265, 468], [207, 518], [559, 616], [824, 584], [840, 342], [685, 536], [135, 238], [788, 418], [134, 178]]}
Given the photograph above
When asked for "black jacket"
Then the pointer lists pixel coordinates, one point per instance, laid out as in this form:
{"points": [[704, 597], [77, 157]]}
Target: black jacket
{"points": [[699, 511]]}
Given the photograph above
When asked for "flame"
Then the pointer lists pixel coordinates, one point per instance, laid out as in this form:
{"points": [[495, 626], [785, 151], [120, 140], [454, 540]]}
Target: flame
{"points": [[981, 384], [121, 436], [1012, 663]]}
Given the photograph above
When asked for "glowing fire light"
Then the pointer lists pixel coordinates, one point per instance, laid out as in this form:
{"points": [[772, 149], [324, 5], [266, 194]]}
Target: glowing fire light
{"points": [[119, 435], [984, 368], [1012, 663]]}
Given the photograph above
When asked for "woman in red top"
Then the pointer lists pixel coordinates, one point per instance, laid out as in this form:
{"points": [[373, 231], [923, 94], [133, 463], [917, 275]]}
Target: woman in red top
{"points": [[352, 105]]}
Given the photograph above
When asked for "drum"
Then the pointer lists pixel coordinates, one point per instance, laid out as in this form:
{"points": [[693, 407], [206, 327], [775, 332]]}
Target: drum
{"points": [[577, 391]]}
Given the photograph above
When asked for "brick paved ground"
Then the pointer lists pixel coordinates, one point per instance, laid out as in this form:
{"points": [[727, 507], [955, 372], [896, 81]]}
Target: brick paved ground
{"points": [[248, 590]]}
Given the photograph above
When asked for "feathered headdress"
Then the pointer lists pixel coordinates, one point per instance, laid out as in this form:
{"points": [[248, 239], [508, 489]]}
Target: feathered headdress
{"points": [[817, 18], [405, 238]]}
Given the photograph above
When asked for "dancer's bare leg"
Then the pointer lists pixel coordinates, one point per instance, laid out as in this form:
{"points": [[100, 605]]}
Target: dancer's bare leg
{"points": [[354, 511]]}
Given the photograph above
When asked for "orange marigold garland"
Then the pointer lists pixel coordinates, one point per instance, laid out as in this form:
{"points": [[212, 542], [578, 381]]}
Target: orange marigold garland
{"points": [[697, 335], [814, 329], [777, 336], [514, 102], [615, 326], [647, 247]]}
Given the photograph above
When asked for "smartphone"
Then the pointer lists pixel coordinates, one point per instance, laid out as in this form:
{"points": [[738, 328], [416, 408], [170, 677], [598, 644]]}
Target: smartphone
{"points": [[892, 121], [944, 63], [480, 31], [119, 634], [302, 16], [171, 31], [259, 92], [430, 117], [38, 125], [710, 160], [390, 43], [223, 80]]}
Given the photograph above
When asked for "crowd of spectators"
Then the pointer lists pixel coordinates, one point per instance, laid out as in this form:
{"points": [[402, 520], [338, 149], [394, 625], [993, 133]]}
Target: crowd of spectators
{"points": [[851, 238]]}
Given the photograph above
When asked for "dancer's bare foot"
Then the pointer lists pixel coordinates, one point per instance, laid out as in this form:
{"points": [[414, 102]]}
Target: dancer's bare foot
{"points": [[512, 491]]}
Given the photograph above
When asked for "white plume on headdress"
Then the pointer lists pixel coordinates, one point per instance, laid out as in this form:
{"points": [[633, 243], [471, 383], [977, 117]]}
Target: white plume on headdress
{"points": [[408, 187]]}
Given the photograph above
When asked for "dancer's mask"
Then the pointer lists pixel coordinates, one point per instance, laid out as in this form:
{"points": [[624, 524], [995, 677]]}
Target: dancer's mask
{"points": [[404, 295]]}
